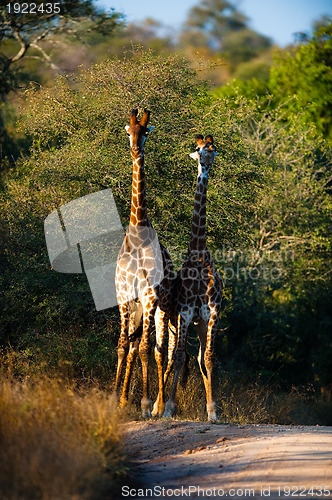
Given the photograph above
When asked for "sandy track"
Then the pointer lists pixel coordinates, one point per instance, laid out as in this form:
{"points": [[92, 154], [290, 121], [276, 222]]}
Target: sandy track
{"points": [[256, 461]]}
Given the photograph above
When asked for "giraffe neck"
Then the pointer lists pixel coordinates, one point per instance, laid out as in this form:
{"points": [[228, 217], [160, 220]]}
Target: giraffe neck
{"points": [[138, 213], [198, 239]]}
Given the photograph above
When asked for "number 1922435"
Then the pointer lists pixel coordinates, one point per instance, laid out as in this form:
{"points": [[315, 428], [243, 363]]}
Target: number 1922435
{"points": [[33, 8]]}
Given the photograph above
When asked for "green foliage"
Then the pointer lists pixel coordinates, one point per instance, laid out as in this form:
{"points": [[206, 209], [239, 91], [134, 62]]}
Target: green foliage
{"points": [[219, 25], [280, 284], [80, 146], [29, 41], [305, 74], [268, 215]]}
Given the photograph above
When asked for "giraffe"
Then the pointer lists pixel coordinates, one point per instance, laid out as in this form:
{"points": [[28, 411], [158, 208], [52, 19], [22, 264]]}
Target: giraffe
{"points": [[143, 280], [198, 289]]}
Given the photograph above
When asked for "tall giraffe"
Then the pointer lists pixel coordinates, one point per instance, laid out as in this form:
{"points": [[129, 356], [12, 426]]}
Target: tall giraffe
{"points": [[144, 276], [199, 291]]}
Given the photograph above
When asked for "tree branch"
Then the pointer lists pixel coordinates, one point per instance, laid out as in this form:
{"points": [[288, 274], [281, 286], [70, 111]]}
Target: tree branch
{"points": [[24, 46], [46, 57]]}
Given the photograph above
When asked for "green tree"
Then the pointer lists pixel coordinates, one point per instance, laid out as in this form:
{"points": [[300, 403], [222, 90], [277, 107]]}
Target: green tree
{"points": [[80, 146], [33, 35], [149, 33], [279, 318], [219, 25], [305, 76], [268, 215], [21, 31]]}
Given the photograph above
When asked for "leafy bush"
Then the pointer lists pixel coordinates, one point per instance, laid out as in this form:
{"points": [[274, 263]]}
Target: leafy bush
{"points": [[268, 216]]}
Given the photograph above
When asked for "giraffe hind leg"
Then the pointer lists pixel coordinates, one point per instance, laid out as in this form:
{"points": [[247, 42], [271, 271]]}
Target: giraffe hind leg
{"points": [[131, 358]]}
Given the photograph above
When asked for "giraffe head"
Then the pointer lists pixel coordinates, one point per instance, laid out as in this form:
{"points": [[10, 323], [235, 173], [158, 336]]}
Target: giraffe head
{"points": [[205, 152], [138, 132]]}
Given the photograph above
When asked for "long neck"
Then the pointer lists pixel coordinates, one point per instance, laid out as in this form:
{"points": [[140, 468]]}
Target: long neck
{"points": [[198, 238], [138, 213]]}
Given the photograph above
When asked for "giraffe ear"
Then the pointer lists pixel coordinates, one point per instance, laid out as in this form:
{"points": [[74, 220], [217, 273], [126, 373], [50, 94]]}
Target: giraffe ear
{"points": [[127, 127], [194, 156]]}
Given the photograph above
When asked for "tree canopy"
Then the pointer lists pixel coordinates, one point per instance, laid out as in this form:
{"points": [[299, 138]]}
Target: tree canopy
{"points": [[219, 25], [269, 195], [28, 30], [305, 75]]}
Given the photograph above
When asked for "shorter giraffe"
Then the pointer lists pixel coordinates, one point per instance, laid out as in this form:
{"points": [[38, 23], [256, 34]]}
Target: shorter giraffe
{"points": [[199, 291]]}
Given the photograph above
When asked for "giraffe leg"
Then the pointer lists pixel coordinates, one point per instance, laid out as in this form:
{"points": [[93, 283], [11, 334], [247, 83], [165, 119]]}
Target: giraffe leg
{"points": [[179, 361], [206, 358], [123, 346], [144, 352], [172, 343], [131, 358], [161, 321], [135, 317]]}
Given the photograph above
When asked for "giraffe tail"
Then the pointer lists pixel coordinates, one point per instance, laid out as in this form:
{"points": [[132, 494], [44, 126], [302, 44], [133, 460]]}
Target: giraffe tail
{"points": [[137, 334]]}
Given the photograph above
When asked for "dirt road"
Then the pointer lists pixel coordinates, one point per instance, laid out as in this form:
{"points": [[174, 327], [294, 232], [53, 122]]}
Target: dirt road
{"points": [[193, 459]]}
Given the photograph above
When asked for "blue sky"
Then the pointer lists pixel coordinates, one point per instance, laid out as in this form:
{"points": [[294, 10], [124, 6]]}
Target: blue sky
{"points": [[278, 19]]}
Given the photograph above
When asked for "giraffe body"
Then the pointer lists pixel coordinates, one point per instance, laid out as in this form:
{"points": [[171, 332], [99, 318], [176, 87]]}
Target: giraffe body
{"points": [[143, 279], [198, 292]]}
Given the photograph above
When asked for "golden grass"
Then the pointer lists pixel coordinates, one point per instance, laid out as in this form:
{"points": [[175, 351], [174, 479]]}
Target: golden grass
{"points": [[238, 401], [57, 443]]}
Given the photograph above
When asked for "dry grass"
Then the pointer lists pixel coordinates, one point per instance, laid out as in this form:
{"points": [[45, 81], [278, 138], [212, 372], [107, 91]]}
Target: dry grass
{"points": [[238, 401], [57, 443]]}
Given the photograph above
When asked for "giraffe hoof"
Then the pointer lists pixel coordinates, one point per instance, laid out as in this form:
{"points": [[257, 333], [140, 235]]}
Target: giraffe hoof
{"points": [[169, 409], [157, 411], [114, 401], [146, 413], [211, 411], [145, 405], [123, 402]]}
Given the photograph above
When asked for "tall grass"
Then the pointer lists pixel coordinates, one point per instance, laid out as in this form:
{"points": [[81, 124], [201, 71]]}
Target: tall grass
{"points": [[239, 401], [57, 443]]}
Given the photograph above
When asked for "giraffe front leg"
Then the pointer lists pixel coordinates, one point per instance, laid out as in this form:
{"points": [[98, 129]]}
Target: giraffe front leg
{"points": [[179, 361], [144, 352], [144, 349], [206, 361], [123, 346], [135, 317], [161, 322], [131, 357], [172, 343]]}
